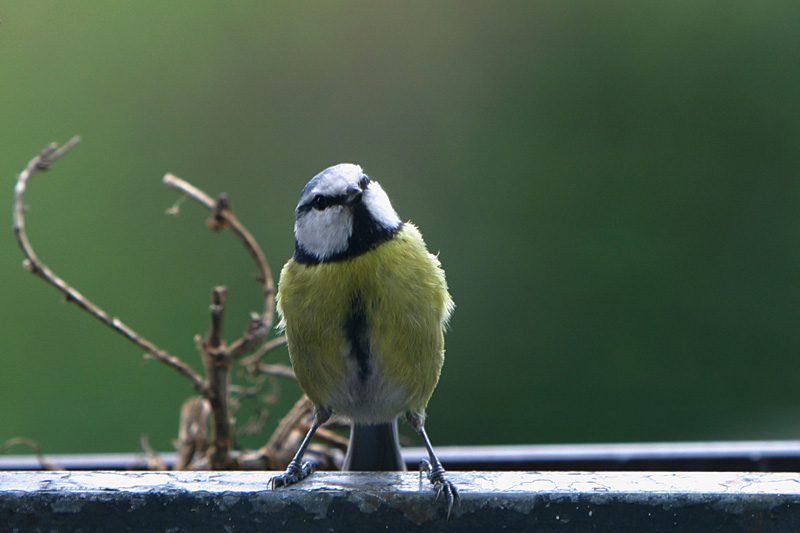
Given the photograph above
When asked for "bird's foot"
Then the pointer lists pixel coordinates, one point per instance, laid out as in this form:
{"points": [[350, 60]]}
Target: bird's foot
{"points": [[294, 473], [442, 485]]}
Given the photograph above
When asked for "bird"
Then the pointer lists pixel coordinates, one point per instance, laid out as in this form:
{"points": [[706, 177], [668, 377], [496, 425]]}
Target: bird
{"points": [[364, 307]]}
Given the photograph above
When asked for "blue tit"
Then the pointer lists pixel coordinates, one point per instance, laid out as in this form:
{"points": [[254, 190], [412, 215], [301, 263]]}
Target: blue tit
{"points": [[364, 306]]}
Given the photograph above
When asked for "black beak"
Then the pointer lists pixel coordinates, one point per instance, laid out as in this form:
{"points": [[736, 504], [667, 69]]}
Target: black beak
{"points": [[353, 196]]}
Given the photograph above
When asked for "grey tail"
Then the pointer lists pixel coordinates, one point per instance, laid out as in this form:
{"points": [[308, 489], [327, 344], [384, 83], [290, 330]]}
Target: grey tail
{"points": [[374, 448]]}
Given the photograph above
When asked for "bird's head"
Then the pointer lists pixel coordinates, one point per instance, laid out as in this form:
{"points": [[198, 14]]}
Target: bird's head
{"points": [[341, 214]]}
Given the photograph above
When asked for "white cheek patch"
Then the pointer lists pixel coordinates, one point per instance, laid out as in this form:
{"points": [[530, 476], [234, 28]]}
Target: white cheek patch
{"points": [[380, 207], [324, 233]]}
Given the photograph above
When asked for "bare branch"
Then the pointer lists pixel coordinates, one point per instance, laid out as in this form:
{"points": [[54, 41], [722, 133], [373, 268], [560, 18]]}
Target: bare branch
{"points": [[282, 371], [44, 464], [215, 339], [32, 263], [218, 369], [253, 362], [43, 161], [192, 432], [221, 217], [252, 337], [284, 440], [279, 447], [333, 439], [151, 457]]}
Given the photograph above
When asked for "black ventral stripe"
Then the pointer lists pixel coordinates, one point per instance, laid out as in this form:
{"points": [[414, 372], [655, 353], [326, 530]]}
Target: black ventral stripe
{"points": [[356, 332]]}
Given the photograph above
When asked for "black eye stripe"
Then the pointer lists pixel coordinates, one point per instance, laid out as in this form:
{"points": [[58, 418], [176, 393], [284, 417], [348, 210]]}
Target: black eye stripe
{"points": [[321, 202]]}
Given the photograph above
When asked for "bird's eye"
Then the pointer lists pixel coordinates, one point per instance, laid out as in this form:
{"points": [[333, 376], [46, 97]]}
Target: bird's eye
{"points": [[363, 182], [320, 202]]}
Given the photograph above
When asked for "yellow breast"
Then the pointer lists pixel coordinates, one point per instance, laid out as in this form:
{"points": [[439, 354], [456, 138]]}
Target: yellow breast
{"points": [[365, 334]]}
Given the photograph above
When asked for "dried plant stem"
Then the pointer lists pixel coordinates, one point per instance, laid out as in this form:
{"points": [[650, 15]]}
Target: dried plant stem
{"points": [[43, 161], [44, 464], [192, 432], [276, 448], [278, 370], [152, 459], [218, 372], [217, 356], [253, 362], [223, 216]]}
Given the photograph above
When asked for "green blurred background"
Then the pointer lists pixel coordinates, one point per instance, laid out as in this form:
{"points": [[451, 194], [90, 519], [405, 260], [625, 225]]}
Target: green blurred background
{"points": [[614, 189]]}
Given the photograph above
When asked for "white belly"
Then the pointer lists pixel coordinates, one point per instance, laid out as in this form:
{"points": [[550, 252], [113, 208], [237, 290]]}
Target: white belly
{"points": [[373, 400]]}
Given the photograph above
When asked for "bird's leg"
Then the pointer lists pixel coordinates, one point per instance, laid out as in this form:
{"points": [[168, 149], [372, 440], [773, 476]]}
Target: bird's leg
{"points": [[432, 466], [297, 470]]}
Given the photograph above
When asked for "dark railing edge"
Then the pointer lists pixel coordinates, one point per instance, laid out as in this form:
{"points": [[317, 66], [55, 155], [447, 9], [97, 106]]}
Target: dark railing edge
{"points": [[758, 456]]}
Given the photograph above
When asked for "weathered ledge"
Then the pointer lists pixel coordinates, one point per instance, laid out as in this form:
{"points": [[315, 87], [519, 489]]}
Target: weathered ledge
{"points": [[327, 501]]}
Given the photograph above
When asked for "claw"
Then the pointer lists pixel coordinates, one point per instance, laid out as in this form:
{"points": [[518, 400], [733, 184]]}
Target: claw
{"points": [[294, 472], [424, 466], [441, 484]]}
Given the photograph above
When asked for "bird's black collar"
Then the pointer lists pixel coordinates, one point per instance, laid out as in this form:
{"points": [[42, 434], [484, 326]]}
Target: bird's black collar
{"points": [[367, 234]]}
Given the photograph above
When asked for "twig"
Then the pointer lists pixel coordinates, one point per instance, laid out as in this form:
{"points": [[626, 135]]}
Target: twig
{"points": [[301, 409], [192, 432], [218, 357], [256, 330], [277, 449], [223, 216], [334, 439], [253, 362], [32, 263], [255, 395], [44, 464], [218, 369], [254, 423], [219, 296], [281, 445], [278, 370], [152, 459]]}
